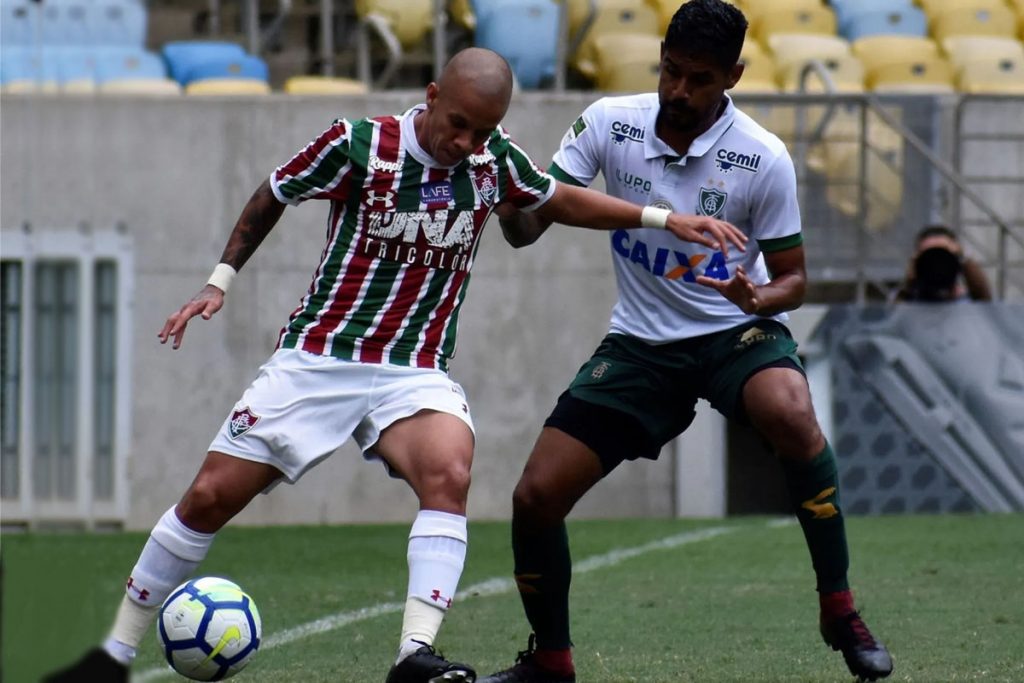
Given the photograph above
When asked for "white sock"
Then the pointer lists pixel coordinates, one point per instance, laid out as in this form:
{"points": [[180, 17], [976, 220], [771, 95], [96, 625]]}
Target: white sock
{"points": [[437, 553], [169, 557]]}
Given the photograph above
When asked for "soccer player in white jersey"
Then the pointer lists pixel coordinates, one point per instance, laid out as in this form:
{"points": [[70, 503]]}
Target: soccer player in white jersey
{"points": [[689, 323], [409, 196]]}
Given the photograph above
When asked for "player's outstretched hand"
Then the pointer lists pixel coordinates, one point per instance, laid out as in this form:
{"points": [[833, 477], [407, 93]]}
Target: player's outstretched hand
{"points": [[207, 302], [738, 289], [706, 230]]}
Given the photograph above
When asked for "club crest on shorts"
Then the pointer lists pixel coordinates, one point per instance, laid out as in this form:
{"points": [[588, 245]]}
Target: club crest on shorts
{"points": [[242, 421]]}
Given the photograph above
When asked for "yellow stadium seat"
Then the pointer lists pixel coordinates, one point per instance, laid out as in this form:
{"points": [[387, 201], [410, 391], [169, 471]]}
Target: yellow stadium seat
{"points": [[409, 20], [462, 13], [935, 7], [1003, 76], [140, 86], [962, 49], [627, 62], [965, 21], [227, 86], [877, 51], [614, 16], [324, 85], [845, 72], [913, 76], [758, 70], [819, 19], [755, 9], [789, 48]]}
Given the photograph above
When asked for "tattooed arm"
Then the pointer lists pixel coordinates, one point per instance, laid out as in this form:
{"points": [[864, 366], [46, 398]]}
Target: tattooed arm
{"points": [[258, 218]]}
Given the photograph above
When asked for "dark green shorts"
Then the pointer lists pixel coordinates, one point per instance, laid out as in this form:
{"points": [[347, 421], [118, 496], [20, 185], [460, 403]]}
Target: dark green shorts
{"points": [[653, 389]]}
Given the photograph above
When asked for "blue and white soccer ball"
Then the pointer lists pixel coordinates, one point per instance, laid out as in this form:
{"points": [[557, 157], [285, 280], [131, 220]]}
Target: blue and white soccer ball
{"points": [[208, 629]]}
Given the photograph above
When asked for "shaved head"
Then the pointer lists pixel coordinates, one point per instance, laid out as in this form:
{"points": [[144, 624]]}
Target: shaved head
{"points": [[483, 72], [465, 106]]}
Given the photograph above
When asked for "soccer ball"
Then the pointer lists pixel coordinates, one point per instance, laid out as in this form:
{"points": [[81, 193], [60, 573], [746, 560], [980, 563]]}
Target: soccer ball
{"points": [[208, 629]]}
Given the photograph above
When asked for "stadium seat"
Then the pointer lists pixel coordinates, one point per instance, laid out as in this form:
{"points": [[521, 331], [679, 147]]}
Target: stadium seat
{"points": [[228, 86], [324, 85], [19, 22], [183, 55], [627, 62], [75, 68], [1002, 76], [140, 86], [758, 70], [118, 22], [65, 23], [614, 16], [523, 32], [913, 76], [847, 9], [789, 48], [408, 20], [879, 50], [967, 21], [907, 21], [962, 49], [128, 63], [846, 74], [246, 67], [935, 7], [820, 20], [25, 70], [461, 12]]}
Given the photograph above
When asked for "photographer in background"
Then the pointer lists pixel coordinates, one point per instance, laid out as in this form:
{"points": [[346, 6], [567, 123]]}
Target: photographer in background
{"points": [[939, 270]]}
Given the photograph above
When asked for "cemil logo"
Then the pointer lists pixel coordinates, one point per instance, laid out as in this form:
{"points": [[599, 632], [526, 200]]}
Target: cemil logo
{"points": [[622, 131], [242, 421], [819, 507], [231, 634], [727, 161]]}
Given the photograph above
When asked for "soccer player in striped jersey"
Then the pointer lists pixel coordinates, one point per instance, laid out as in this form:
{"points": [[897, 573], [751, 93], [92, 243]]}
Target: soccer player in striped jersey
{"points": [[688, 325], [365, 354]]}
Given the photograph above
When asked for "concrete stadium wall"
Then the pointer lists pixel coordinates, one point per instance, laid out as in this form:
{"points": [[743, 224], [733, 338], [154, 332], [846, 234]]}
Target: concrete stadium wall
{"points": [[176, 172]]}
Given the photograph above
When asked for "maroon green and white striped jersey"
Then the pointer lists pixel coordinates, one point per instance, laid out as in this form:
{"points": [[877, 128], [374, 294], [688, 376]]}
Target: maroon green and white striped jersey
{"points": [[402, 234]]}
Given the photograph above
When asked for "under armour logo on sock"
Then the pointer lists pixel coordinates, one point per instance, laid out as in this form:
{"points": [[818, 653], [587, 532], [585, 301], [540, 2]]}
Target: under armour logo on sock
{"points": [[437, 597], [143, 594]]}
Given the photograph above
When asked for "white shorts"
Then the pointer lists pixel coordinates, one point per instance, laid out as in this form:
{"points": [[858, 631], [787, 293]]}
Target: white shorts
{"points": [[303, 406]]}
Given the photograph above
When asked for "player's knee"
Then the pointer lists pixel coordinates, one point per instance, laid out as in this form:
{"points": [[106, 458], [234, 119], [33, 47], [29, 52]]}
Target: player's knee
{"points": [[794, 432], [532, 501], [450, 480], [202, 506]]}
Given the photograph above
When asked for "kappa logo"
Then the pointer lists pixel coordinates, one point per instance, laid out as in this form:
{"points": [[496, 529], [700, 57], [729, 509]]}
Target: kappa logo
{"points": [[377, 164], [711, 202], [242, 421], [387, 198], [622, 131], [481, 159], [727, 161]]}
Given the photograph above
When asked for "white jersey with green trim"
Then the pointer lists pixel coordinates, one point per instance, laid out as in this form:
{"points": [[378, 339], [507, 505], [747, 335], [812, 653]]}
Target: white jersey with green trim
{"points": [[736, 171]]}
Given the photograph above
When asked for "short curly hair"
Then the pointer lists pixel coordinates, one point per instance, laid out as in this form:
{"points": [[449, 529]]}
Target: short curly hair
{"points": [[708, 29]]}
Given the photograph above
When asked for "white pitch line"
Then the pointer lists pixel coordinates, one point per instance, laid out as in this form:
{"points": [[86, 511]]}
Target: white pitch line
{"points": [[489, 587]]}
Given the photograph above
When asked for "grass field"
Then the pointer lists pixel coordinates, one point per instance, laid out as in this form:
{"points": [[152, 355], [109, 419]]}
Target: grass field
{"points": [[654, 600]]}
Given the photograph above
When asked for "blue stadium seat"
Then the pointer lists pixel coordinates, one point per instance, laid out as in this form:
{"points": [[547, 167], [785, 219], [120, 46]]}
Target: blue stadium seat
{"points": [[118, 22], [524, 33], [246, 67], [908, 21], [846, 9], [24, 69], [65, 23], [128, 63], [75, 66], [182, 55], [19, 22]]}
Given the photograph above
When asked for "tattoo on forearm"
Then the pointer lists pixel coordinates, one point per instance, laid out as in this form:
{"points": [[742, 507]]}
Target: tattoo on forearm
{"points": [[258, 218]]}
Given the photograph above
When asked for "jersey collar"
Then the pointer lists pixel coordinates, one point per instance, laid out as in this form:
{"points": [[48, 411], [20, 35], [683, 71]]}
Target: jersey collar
{"points": [[410, 142], [655, 147]]}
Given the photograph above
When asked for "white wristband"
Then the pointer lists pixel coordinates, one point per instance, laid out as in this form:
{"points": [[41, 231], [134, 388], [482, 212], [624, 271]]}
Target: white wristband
{"points": [[653, 217], [222, 276]]}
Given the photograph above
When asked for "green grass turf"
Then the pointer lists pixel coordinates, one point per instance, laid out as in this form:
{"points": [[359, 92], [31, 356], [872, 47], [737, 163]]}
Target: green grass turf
{"points": [[946, 593]]}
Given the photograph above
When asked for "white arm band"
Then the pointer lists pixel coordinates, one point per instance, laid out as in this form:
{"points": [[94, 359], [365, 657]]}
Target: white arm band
{"points": [[653, 217], [222, 276]]}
